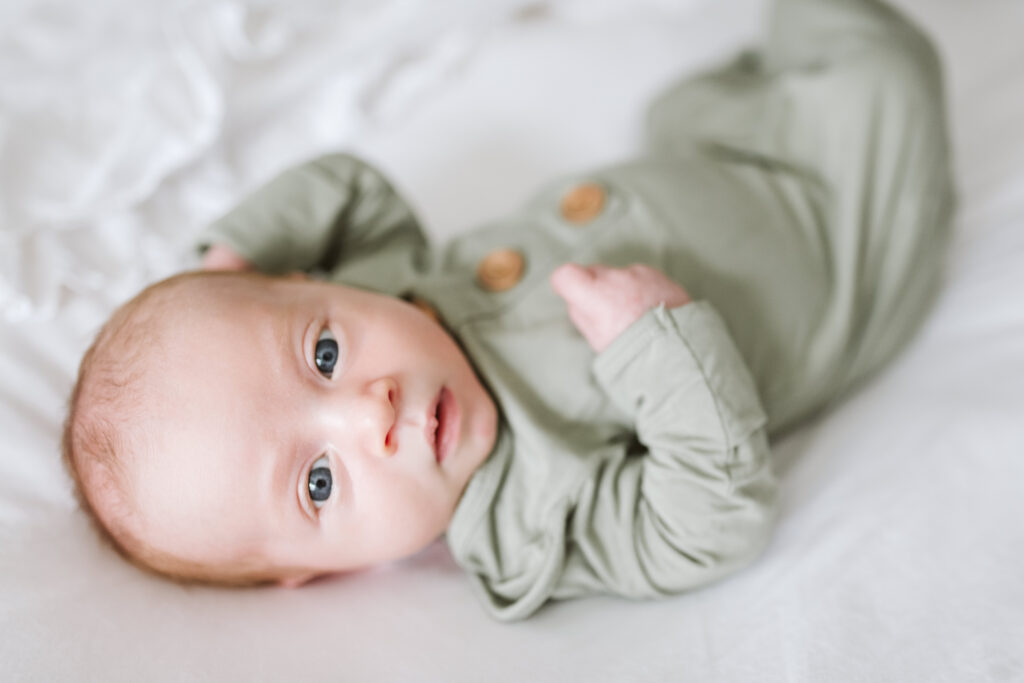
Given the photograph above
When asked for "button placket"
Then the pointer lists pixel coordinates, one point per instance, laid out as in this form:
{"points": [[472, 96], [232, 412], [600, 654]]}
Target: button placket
{"points": [[501, 269], [583, 203]]}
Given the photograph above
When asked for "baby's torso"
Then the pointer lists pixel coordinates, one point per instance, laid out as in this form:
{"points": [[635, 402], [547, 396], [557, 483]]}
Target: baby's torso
{"points": [[740, 238], [734, 236]]}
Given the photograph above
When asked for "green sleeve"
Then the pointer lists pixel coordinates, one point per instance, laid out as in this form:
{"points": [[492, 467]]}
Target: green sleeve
{"points": [[700, 502], [316, 215]]}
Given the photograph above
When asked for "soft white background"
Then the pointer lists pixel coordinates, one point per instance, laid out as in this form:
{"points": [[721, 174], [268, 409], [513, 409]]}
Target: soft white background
{"points": [[126, 125]]}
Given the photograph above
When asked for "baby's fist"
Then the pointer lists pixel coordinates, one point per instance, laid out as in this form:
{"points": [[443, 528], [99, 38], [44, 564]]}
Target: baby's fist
{"points": [[604, 301]]}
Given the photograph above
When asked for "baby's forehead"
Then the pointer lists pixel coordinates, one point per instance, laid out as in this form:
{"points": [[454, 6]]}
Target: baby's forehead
{"points": [[207, 290], [198, 304], [188, 482], [200, 340], [208, 389]]}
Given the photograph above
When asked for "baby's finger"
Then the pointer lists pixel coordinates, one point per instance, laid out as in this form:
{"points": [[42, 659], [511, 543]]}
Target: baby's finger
{"points": [[222, 257], [570, 280]]}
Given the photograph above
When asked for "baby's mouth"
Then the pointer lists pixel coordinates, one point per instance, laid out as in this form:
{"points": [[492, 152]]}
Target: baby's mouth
{"points": [[433, 425], [438, 424], [438, 427]]}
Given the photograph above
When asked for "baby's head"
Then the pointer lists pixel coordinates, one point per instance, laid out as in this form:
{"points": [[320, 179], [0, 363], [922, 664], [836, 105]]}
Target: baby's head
{"points": [[236, 428]]}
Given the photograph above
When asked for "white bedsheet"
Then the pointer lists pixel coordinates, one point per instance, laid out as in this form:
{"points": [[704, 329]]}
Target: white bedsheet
{"points": [[126, 125]]}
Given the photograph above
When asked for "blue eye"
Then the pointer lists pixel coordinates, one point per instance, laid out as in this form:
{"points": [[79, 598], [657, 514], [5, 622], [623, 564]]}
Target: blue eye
{"points": [[326, 353], [320, 482]]}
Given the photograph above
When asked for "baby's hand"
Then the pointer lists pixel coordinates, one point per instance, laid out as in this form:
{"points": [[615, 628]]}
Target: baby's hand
{"points": [[221, 257], [604, 301]]}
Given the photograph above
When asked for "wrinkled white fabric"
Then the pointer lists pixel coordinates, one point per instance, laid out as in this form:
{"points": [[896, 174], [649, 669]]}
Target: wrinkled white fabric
{"points": [[101, 103]]}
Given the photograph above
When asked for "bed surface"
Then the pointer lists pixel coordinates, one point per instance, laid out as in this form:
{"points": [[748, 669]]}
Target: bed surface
{"points": [[125, 126]]}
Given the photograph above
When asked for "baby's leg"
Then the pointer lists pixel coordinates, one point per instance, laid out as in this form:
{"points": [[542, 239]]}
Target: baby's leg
{"points": [[846, 95], [825, 68]]}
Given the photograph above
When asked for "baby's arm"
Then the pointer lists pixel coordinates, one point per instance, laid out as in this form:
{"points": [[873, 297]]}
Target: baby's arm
{"points": [[312, 215], [700, 503]]}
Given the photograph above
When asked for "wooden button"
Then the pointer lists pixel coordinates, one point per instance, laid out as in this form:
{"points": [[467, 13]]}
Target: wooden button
{"points": [[500, 270], [425, 306], [583, 203]]}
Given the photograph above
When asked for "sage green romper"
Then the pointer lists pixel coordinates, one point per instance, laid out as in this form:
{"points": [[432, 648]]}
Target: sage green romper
{"points": [[800, 192]]}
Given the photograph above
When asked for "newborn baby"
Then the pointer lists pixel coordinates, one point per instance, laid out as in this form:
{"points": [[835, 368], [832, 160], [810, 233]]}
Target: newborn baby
{"points": [[570, 429]]}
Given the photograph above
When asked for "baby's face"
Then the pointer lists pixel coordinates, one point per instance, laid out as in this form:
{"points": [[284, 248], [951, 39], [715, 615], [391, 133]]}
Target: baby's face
{"points": [[294, 421]]}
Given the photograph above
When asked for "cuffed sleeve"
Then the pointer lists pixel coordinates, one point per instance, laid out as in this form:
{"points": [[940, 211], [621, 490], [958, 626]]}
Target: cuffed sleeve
{"points": [[315, 215], [700, 502]]}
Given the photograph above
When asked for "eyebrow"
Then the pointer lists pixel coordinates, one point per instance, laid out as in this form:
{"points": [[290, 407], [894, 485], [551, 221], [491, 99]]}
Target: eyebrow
{"points": [[284, 482], [289, 334]]}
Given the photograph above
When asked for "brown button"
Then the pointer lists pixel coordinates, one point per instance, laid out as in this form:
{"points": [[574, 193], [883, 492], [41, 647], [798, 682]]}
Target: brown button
{"points": [[583, 203], [500, 270], [425, 306]]}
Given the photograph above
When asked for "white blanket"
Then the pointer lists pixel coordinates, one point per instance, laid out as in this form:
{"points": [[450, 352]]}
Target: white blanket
{"points": [[127, 125]]}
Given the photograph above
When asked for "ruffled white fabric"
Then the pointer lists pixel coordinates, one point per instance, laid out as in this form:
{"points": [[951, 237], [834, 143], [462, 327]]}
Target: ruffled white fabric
{"points": [[103, 102]]}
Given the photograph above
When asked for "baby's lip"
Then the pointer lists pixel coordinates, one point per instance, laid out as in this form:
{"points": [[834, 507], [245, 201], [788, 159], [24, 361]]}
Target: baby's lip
{"points": [[430, 424]]}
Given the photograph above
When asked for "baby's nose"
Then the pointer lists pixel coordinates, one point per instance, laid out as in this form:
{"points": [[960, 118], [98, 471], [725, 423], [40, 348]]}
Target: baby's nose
{"points": [[379, 412]]}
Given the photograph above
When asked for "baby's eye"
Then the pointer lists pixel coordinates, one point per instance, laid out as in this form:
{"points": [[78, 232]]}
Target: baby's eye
{"points": [[326, 353], [320, 482]]}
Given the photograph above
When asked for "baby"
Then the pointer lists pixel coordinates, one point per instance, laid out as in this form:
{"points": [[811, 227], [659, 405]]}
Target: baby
{"points": [[569, 429]]}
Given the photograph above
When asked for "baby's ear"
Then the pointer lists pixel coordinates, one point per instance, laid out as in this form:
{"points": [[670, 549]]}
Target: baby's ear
{"points": [[295, 580]]}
